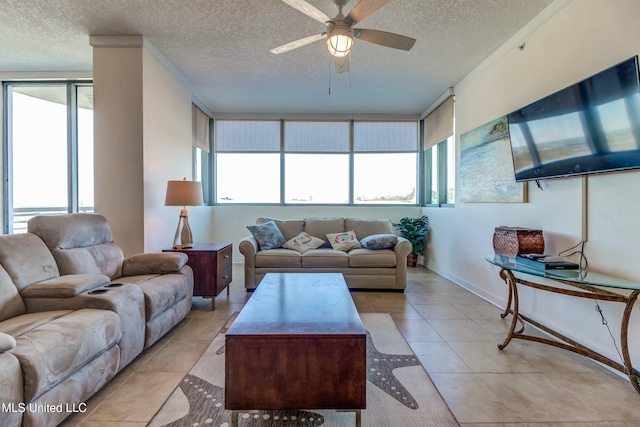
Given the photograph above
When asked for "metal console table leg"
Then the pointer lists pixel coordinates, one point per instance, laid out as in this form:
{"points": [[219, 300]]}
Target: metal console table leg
{"points": [[588, 292]]}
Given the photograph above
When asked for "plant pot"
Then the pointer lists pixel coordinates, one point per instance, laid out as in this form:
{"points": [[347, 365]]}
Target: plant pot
{"points": [[412, 260]]}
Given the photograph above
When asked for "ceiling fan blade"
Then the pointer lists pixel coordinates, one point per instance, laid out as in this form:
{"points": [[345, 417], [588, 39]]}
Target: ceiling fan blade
{"points": [[298, 43], [308, 10], [341, 64], [363, 10], [384, 38]]}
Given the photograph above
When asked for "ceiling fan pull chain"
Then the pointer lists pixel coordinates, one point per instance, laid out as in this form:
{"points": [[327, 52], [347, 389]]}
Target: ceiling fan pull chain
{"points": [[349, 62], [329, 77]]}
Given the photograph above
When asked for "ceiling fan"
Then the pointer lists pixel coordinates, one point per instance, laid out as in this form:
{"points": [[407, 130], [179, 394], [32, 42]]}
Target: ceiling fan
{"points": [[340, 33]]}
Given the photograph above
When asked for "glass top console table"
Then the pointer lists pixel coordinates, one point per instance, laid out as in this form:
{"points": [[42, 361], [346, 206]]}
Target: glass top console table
{"points": [[579, 283]]}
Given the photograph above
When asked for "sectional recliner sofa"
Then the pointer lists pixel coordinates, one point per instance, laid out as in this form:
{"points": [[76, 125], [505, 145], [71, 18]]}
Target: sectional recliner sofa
{"points": [[74, 312]]}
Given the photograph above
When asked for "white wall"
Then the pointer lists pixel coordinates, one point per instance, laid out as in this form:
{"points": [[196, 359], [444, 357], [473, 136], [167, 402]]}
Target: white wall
{"points": [[167, 148], [142, 136], [118, 172], [583, 38]]}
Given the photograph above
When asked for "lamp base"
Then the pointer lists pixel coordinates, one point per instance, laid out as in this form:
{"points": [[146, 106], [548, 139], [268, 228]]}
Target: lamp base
{"points": [[186, 238]]}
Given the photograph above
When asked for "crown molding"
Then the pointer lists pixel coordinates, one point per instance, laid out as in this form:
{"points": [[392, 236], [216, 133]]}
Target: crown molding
{"points": [[116, 41], [141, 42]]}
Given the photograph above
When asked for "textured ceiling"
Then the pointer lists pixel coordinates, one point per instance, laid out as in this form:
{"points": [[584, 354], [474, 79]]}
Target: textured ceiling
{"points": [[222, 48]]}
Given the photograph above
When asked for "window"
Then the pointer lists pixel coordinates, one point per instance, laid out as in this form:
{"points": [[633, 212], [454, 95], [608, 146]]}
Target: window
{"points": [[48, 150], [439, 155], [247, 161], [85, 148], [317, 162], [385, 162], [434, 184], [451, 170], [201, 172], [201, 141], [440, 173]]}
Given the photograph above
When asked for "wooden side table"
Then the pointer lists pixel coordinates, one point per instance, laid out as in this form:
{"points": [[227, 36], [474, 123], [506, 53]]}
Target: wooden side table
{"points": [[212, 268]]}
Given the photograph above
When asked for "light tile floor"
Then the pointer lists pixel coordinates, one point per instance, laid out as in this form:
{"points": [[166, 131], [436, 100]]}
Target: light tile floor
{"points": [[452, 331]]}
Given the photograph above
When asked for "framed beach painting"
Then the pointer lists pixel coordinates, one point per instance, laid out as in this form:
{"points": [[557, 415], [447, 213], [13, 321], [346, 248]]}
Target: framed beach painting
{"points": [[486, 165]]}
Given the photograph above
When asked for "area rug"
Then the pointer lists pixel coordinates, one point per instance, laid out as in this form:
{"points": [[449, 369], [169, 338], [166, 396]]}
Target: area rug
{"points": [[399, 391]]}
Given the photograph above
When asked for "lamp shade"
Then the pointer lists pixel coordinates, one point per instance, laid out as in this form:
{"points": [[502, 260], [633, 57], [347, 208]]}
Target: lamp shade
{"points": [[183, 193]]}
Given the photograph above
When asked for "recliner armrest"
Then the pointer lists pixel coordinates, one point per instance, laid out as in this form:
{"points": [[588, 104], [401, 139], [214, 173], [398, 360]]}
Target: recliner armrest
{"points": [[66, 286], [7, 342], [154, 263]]}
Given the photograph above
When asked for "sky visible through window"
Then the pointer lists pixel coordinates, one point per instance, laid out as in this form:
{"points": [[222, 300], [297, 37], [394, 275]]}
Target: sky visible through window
{"points": [[382, 178], [40, 177], [317, 162]]}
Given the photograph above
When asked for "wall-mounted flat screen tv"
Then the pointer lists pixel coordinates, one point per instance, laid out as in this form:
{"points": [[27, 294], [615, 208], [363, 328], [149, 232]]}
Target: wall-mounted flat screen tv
{"points": [[592, 126]]}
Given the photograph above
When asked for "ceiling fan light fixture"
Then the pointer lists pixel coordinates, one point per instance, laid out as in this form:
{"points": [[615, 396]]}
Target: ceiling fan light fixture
{"points": [[339, 41]]}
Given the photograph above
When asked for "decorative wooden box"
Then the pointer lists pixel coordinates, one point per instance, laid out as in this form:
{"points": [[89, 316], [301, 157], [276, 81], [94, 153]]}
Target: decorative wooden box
{"points": [[512, 241]]}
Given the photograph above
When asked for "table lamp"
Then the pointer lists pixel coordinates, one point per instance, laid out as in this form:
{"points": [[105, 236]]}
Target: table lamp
{"points": [[183, 193]]}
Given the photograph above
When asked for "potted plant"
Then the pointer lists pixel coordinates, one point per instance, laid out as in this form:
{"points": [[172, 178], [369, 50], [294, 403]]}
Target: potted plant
{"points": [[414, 230]]}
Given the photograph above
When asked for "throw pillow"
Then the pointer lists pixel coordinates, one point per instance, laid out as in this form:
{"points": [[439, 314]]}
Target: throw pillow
{"points": [[268, 235], [344, 241], [379, 241], [303, 242]]}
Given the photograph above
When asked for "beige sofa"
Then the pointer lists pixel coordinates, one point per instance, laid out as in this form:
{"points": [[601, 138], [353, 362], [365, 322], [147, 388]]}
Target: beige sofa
{"points": [[74, 312], [382, 269]]}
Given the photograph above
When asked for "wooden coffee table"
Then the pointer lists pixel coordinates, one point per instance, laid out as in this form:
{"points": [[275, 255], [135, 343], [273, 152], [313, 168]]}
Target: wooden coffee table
{"points": [[297, 344]]}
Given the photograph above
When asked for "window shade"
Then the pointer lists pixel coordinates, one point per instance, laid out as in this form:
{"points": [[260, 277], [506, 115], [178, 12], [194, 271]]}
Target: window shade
{"points": [[438, 125], [316, 136], [200, 123], [385, 136], [247, 135]]}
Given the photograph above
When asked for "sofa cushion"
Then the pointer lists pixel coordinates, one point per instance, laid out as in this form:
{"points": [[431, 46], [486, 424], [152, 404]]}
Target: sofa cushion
{"points": [[366, 227], [71, 231], [10, 389], [22, 324], [268, 235], [289, 227], [52, 351], [105, 258], [372, 258], [7, 342], [161, 292], [27, 259], [80, 243], [325, 258], [11, 303], [320, 227], [379, 241], [344, 241], [278, 258], [303, 242]]}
